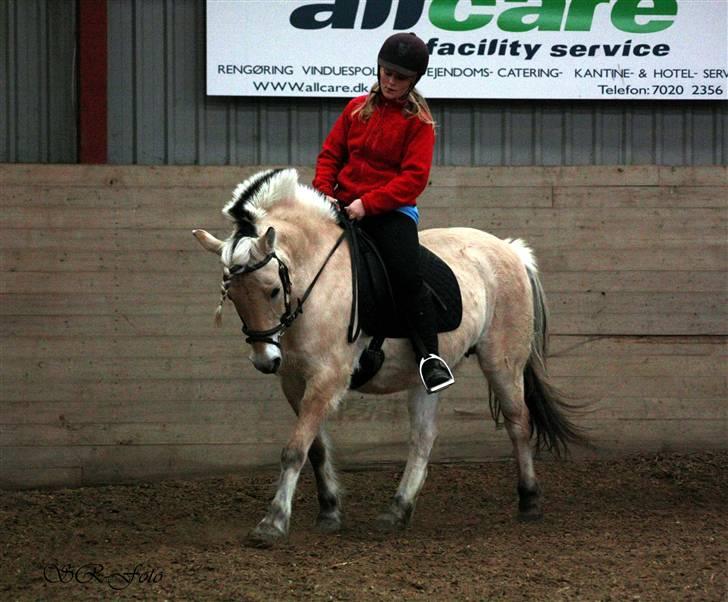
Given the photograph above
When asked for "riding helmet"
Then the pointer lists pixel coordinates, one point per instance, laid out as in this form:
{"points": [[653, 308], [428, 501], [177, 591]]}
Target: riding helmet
{"points": [[405, 53]]}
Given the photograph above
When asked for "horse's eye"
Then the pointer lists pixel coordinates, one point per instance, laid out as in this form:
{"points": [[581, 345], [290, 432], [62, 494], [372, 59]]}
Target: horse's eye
{"points": [[274, 293]]}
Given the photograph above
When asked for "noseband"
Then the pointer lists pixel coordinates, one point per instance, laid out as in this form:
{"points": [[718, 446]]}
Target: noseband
{"points": [[289, 315]]}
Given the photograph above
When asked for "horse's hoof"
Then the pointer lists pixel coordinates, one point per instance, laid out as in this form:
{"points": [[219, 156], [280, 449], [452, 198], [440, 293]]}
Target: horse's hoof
{"points": [[388, 522], [264, 535], [328, 524], [529, 504], [533, 515]]}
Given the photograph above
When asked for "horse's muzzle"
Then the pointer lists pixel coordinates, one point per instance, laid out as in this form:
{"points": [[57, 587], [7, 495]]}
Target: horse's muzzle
{"points": [[267, 365]]}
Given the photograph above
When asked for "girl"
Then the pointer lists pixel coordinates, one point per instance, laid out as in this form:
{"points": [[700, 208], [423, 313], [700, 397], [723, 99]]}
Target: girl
{"points": [[376, 162]]}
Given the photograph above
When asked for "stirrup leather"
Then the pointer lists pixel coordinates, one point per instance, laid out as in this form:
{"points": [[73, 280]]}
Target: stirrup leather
{"points": [[442, 385]]}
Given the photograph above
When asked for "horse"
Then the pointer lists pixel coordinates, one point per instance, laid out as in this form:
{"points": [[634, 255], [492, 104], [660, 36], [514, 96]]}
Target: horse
{"points": [[285, 251]]}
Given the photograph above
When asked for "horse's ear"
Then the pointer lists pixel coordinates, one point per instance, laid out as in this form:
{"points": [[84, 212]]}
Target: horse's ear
{"points": [[269, 239], [208, 241]]}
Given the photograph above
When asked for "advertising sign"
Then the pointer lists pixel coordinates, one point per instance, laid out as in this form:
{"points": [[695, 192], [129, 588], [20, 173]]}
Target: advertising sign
{"points": [[570, 49]]}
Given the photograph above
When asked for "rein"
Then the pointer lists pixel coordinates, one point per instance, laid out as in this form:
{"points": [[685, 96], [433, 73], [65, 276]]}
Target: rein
{"points": [[352, 235], [289, 315]]}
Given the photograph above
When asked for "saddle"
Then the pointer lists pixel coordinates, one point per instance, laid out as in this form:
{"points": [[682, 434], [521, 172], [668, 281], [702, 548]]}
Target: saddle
{"points": [[374, 310]]}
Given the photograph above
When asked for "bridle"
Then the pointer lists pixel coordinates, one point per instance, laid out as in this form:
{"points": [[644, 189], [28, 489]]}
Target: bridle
{"points": [[289, 314]]}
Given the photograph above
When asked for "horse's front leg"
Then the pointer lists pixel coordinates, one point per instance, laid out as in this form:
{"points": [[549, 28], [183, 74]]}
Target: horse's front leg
{"points": [[327, 484], [316, 400], [319, 454], [423, 432]]}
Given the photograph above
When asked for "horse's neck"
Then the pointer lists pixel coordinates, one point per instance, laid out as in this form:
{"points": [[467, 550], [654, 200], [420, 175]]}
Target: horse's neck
{"points": [[321, 279], [306, 241]]}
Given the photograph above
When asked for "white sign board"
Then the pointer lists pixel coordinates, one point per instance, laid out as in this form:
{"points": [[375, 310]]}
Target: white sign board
{"points": [[576, 49]]}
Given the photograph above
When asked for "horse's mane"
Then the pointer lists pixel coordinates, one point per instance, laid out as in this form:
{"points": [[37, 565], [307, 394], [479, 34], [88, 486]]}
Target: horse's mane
{"points": [[255, 197]]}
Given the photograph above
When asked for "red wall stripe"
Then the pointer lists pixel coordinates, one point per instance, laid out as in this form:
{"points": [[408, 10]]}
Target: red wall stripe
{"points": [[92, 67]]}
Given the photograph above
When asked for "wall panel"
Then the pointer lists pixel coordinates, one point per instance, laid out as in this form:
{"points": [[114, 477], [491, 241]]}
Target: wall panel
{"points": [[37, 81], [112, 370], [159, 105], [159, 112]]}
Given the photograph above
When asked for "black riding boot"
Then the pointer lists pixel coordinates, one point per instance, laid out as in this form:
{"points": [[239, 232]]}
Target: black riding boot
{"points": [[434, 372]]}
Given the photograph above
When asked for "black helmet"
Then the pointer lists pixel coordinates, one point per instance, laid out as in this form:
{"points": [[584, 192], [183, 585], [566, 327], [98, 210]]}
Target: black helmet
{"points": [[406, 54]]}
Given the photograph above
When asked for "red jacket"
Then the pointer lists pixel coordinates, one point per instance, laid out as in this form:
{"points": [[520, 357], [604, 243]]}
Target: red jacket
{"points": [[385, 160]]}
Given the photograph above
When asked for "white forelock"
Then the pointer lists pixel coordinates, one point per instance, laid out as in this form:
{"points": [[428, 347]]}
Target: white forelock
{"points": [[241, 253], [524, 252]]}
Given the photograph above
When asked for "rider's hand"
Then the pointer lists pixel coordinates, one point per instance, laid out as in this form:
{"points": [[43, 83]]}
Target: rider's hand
{"points": [[356, 210], [332, 200]]}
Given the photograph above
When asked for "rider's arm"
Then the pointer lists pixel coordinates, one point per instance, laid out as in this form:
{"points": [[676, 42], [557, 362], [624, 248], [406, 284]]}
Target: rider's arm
{"points": [[333, 155], [413, 175]]}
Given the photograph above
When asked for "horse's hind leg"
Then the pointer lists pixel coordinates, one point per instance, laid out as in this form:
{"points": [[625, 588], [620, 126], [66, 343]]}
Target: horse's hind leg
{"points": [[507, 384], [423, 432]]}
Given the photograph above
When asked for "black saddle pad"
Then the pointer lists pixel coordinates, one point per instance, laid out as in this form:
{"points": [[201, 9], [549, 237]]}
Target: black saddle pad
{"points": [[377, 314]]}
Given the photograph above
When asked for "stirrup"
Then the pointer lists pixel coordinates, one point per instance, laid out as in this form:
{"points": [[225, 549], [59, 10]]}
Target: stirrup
{"points": [[439, 386]]}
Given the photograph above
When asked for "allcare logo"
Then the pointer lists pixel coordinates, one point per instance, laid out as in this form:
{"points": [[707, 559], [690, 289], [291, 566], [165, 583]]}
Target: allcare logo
{"points": [[631, 16]]}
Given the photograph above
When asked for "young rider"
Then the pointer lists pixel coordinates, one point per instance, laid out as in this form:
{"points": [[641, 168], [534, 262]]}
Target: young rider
{"points": [[376, 162]]}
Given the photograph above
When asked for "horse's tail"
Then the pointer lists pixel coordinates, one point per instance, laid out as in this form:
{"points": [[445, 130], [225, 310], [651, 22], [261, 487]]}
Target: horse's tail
{"points": [[547, 406]]}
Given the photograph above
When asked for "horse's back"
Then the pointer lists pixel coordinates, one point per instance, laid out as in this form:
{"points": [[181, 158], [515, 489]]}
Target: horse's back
{"points": [[493, 280], [464, 248], [461, 236]]}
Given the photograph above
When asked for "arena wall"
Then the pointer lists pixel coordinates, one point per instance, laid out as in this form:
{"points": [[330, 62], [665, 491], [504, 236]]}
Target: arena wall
{"points": [[112, 369]]}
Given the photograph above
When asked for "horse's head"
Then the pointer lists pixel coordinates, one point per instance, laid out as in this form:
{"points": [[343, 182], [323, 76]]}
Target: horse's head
{"points": [[255, 269], [256, 280]]}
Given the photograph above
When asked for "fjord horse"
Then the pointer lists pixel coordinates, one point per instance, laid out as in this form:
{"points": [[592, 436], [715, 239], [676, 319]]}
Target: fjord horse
{"points": [[286, 251]]}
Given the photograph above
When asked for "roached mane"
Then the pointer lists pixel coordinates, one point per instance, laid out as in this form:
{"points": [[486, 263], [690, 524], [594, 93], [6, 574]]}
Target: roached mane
{"points": [[253, 198]]}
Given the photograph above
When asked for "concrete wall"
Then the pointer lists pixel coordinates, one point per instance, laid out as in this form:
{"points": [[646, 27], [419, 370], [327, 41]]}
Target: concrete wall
{"points": [[112, 370]]}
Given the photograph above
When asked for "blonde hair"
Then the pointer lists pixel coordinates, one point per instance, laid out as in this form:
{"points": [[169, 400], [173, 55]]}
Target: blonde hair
{"points": [[414, 106]]}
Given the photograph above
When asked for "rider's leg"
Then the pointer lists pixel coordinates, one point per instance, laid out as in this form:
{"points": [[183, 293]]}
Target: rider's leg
{"points": [[395, 235], [435, 373]]}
